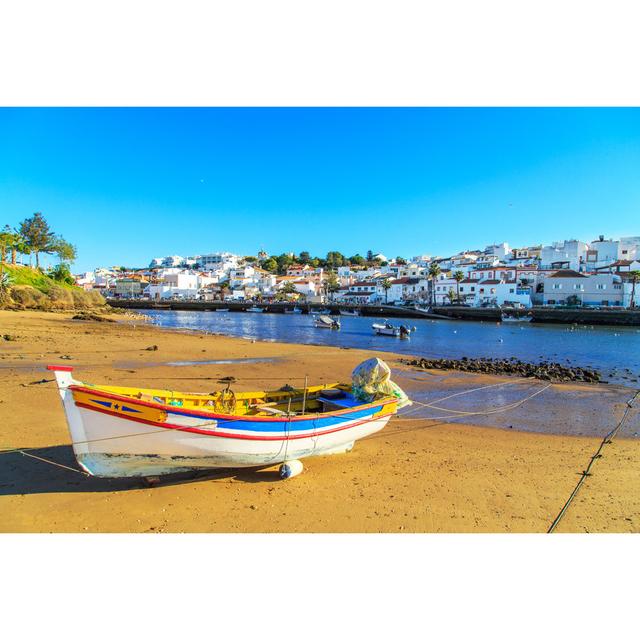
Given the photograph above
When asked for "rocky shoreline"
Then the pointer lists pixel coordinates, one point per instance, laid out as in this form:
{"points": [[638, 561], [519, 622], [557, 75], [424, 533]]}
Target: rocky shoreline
{"points": [[550, 371]]}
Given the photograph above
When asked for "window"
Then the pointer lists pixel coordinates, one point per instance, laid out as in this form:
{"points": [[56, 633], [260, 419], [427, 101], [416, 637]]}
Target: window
{"points": [[578, 287], [557, 286], [473, 288], [511, 290], [617, 286], [601, 287]]}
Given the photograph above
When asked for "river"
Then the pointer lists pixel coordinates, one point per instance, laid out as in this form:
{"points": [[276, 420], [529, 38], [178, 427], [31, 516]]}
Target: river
{"points": [[614, 351]]}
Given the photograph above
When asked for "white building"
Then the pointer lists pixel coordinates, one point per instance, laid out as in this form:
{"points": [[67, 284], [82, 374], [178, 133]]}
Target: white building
{"points": [[567, 286], [500, 251], [167, 261], [569, 254]]}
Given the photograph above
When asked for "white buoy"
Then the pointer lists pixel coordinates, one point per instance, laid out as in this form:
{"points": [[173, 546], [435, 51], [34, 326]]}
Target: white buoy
{"points": [[290, 469]]}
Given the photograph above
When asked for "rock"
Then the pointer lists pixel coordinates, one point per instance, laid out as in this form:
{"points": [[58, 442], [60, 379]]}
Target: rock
{"points": [[9, 338], [153, 347]]}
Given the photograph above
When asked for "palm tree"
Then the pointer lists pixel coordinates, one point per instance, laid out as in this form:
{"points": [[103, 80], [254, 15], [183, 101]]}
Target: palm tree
{"points": [[386, 285], [223, 287], [634, 278], [434, 272], [458, 276]]}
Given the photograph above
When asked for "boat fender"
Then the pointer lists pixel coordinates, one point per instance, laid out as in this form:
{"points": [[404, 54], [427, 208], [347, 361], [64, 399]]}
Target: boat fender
{"points": [[290, 469]]}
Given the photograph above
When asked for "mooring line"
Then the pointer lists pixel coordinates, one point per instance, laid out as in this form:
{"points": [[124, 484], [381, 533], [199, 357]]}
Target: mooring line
{"points": [[606, 440]]}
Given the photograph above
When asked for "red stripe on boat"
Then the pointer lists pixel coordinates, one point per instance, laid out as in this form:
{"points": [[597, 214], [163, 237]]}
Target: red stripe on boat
{"points": [[208, 432], [58, 367]]}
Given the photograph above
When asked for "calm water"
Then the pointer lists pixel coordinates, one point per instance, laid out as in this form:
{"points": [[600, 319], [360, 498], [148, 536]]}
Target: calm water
{"points": [[608, 349]]}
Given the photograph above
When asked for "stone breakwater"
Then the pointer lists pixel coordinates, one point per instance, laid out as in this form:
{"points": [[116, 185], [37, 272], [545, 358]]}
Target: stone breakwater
{"points": [[550, 371]]}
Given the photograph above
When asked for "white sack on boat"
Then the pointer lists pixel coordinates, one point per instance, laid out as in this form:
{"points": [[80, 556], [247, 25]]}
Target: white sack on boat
{"points": [[371, 379]]}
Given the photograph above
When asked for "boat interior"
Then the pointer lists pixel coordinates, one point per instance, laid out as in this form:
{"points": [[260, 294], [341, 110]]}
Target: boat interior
{"points": [[288, 401]]}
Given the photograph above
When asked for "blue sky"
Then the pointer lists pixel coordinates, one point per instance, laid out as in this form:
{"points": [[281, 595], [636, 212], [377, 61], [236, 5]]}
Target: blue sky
{"points": [[126, 185]]}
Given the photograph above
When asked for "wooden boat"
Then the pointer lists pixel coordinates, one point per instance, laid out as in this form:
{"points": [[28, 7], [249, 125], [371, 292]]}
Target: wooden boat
{"points": [[255, 309], [385, 329], [326, 322], [125, 431]]}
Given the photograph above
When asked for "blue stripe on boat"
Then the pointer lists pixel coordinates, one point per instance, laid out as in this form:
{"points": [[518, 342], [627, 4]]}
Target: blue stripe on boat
{"points": [[291, 427]]}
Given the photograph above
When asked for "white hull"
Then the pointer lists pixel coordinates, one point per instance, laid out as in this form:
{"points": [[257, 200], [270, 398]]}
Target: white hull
{"points": [[147, 450], [254, 310], [383, 331], [113, 446]]}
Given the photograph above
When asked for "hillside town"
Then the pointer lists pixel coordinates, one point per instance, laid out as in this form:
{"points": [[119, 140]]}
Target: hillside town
{"points": [[600, 273]]}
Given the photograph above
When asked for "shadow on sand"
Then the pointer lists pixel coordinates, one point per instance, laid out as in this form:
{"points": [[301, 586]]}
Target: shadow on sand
{"points": [[23, 475]]}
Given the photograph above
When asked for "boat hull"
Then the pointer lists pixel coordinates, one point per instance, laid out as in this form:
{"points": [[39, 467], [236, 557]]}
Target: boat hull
{"points": [[115, 437]]}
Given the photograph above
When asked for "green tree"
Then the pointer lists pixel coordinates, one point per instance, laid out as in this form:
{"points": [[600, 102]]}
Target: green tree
{"points": [[270, 264], [332, 284], [434, 272], [223, 289], [289, 288], [635, 275], [369, 256], [62, 273], [65, 251], [38, 236], [250, 259], [357, 260], [305, 257], [6, 242], [458, 276], [386, 285], [400, 260], [335, 259]]}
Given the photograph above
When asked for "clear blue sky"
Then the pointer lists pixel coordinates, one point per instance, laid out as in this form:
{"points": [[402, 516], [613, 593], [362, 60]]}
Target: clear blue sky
{"points": [[126, 185]]}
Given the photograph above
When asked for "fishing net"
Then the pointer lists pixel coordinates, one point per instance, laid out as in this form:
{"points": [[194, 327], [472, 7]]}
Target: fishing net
{"points": [[371, 380]]}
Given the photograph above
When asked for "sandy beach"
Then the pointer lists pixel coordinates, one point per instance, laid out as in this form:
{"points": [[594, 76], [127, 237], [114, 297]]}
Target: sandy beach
{"points": [[416, 475]]}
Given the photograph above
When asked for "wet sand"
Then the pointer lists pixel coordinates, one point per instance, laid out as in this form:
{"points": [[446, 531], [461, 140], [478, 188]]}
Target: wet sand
{"points": [[423, 474]]}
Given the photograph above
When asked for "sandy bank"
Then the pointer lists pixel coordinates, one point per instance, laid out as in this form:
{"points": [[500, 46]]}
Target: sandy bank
{"points": [[418, 476]]}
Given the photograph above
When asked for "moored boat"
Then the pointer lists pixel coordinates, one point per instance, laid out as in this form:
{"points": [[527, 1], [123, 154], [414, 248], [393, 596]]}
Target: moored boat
{"points": [[385, 329], [255, 309], [222, 310], [127, 432], [326, 322], [348, 312], [294, 310]]}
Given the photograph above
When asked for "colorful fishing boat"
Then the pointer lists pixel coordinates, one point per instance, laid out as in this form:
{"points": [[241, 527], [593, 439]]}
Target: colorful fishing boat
{"points": [[127, 432]]}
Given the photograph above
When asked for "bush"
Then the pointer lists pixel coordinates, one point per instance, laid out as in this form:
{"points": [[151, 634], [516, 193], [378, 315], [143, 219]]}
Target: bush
{"points": [[25, 297]]}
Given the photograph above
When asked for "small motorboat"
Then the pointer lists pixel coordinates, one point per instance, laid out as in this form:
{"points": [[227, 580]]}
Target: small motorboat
{"points": [[385, 329], [347, 312], [255, 309], [121, 432], [224, 310], [294, 310], [326, 322], [322, 312]]}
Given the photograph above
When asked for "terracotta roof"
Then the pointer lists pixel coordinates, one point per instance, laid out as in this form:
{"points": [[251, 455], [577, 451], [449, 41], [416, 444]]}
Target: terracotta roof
{"points": [[406, 280], [567, 273], [363, 284]]}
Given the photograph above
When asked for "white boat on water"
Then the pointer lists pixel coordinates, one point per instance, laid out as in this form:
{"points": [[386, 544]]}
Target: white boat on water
{"points": [[506, 318], [225, 310], [255, 310], [121, 432], [385, 329], [326, 322], [294, 310], [346, 312]]}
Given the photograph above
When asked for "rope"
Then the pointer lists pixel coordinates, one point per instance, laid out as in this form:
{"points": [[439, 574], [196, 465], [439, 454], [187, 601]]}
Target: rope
{"points": [[606, 440], [508, 407], [55, 464]]}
